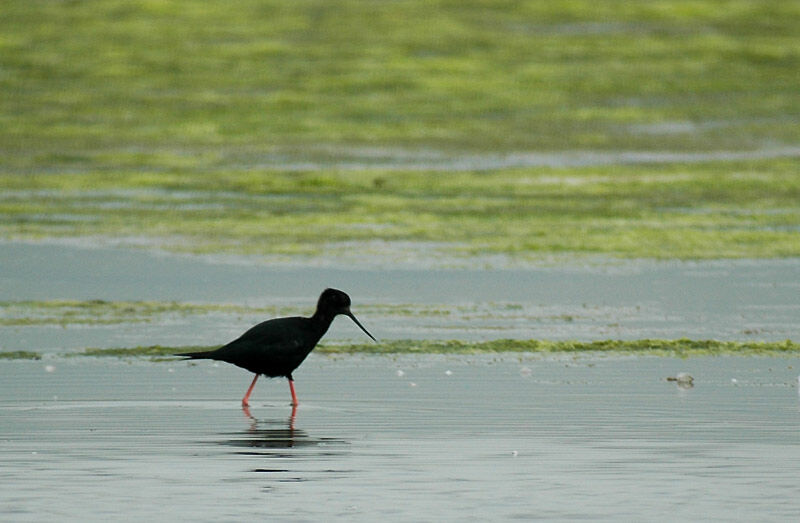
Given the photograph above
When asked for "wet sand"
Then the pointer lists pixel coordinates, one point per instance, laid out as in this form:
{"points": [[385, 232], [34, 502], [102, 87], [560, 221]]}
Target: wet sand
{"points": [[399, 438]]}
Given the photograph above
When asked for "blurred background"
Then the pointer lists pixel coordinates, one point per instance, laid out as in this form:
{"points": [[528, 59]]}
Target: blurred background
{"points": [[294, 131]]}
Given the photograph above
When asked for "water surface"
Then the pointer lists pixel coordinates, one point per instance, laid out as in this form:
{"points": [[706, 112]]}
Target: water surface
{"points": [[399, 438], [726, 300]]}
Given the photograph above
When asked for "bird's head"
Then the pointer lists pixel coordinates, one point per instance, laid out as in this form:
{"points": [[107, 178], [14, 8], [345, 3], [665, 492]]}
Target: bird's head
{"points": [[334, 301]]}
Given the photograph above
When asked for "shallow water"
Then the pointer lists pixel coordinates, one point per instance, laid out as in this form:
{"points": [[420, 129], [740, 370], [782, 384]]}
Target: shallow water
{"points": [[727, 300], [393, 158], [399, 438]]}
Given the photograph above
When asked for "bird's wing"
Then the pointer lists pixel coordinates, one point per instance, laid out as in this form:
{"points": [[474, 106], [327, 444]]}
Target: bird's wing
{"points": [[268, 347]]}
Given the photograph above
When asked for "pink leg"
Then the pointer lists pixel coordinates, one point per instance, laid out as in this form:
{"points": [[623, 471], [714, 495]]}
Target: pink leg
{"points": [[245, 403], [295, 403]]}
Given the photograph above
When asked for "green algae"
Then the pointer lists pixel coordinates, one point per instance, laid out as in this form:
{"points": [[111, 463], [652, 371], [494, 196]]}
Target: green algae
{"points": [[713, 210], [678, 347], [153, 351], [205, 84], [20, 355], [643, 347], [102, 312], [228, 127]]}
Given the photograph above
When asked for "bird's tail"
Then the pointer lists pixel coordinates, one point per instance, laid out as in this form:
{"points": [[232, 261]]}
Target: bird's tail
{"points": [[204, 355]]}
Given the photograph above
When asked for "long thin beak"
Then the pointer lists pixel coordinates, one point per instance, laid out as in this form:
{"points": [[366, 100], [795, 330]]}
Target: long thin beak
{"points": [[348, 313]]}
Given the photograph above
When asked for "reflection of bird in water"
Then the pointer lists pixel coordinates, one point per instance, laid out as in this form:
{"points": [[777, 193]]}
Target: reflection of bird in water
{"points": [[277, 347], [266, 434], [290, 421], [292, 416], [262, 437]]}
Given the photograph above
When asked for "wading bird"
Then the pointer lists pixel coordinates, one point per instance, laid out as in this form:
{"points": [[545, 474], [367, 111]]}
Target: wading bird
{"points": [[277, 347]]}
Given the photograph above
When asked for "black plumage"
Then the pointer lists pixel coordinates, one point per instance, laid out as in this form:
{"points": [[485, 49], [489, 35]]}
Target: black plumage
{"points": [[277, 347]]}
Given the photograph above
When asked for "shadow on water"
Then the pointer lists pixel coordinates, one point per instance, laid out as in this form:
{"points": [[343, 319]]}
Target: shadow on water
{"points": [[279, 438]]}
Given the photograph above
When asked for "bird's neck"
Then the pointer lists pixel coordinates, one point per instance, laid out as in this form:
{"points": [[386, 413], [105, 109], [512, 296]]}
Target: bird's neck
{"points": [[321, 321]]}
